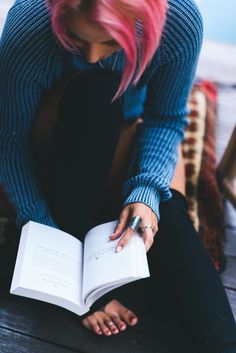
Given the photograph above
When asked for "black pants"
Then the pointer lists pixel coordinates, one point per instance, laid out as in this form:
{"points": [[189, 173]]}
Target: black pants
{"points": [[183, 279]]}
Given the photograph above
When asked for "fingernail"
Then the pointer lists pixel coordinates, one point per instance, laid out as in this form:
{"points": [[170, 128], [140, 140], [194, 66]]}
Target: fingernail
{"points": [[119, 248]]}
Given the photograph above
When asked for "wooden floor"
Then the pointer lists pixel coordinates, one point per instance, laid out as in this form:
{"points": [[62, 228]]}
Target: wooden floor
{"points": [[224, 128], [229, 275], [31, 326], [218, 63]]}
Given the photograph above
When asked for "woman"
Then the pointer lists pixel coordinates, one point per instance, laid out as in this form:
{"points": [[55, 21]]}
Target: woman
{"points": [[100, 49]]}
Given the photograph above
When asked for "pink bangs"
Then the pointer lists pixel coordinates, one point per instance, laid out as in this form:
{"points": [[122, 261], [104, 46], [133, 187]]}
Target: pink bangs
{"points": [[135, 24]]}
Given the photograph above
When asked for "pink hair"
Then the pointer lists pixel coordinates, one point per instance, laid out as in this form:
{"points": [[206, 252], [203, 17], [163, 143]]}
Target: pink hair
{"points": [[120, 19]]}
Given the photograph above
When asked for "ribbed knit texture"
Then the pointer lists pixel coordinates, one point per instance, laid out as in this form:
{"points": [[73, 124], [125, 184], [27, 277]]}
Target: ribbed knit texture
{"points": [[31, 60], [213, 327]]}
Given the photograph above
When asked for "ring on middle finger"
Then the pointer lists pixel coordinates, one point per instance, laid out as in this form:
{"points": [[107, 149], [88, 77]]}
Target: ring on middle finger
{"points": [[146, 227]]}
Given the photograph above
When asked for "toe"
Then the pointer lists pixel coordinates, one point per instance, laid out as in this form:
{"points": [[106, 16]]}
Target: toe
{"points": [[129, 317], [111, 325], [96, 328], [86, 323], [91, 322], [120, 314], [118, 322], [106, 331]]}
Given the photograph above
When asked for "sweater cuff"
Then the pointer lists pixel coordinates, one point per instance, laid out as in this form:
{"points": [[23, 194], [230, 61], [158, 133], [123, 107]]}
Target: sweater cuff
{"points": [[146, 195], [43, 218]]}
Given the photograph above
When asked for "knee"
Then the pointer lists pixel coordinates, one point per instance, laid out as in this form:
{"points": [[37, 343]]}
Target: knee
{"points": [[177, 240], [175, 226], [174, 212]]}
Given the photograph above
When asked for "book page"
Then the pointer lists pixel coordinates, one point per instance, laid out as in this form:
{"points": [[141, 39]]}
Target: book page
{"points": [[51, 263], [103, 266]]}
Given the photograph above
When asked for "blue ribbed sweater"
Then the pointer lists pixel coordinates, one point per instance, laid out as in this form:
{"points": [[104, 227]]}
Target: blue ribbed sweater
{"points": [[31, 60]]}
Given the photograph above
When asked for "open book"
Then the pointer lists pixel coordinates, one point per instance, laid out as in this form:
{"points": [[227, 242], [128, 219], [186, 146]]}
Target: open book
{"points": [[55, 267]]}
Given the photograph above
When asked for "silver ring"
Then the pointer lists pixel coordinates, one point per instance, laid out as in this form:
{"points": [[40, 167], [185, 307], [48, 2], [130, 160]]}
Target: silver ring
{"points": [[134, 223], [147, 226]]}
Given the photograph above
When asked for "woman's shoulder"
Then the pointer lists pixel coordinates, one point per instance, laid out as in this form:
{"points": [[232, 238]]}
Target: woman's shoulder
{"points": [[27, 30], [27, 18], [183, 29], [28, 48]]}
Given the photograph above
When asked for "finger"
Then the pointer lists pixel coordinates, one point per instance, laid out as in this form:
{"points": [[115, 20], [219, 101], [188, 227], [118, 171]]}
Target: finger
{"points": [[155, 229], [154, 223], [121, 225], [124, 239], [139, 121], [148, 237]]}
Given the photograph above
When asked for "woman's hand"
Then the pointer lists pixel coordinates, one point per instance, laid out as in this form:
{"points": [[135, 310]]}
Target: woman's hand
{"points": [[148, 218]]}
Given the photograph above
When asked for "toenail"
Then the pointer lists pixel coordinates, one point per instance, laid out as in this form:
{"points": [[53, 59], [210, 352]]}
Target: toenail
{"points": [[122, 327], [133, 319]]}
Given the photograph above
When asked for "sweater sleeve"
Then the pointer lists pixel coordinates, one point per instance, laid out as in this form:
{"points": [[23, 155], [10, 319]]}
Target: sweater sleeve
{"points": [[21, 91], [156, 151]]}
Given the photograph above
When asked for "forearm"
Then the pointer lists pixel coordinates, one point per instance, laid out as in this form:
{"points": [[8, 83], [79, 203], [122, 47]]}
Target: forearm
{"points": [[154, 161], [19, 182]]}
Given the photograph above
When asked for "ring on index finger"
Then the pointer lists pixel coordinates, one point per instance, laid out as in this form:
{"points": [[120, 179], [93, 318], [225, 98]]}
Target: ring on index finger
{"points": [[134, 223]]}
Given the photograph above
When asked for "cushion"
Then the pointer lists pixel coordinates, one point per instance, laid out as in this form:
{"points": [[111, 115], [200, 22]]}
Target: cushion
{"points": [[192, 148], [204, 199]]}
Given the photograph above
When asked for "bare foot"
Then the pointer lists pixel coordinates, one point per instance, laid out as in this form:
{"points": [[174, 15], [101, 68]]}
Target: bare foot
{"points": [[111, 320]]}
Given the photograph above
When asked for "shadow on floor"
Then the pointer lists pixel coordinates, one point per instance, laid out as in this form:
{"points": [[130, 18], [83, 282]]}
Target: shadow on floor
{"points": [[46, 328]]}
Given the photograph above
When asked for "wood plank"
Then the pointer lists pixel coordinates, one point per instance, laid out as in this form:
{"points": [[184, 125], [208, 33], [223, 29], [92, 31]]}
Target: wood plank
{"points": [[47, 322], [230, 215], [232, 300], [230, 244], [228, 276], [13, 342], [227, 169]]}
